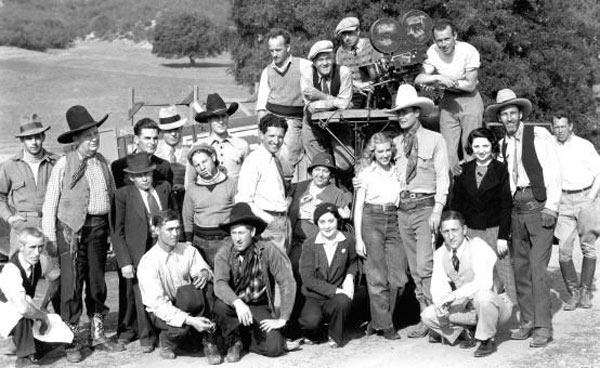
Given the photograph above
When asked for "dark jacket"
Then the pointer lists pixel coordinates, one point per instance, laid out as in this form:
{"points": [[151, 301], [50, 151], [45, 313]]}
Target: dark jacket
{"points": [[162, 172], [319, 280], [130, 233], [489, 205], [276, 269]]}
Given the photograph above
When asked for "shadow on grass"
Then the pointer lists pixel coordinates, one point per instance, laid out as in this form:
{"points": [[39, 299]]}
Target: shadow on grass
{"points": [[195, 65]]}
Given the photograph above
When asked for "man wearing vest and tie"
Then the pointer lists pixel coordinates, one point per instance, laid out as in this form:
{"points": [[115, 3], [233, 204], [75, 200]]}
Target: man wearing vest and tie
{"points": [[535, 182], [462, 288], [326, 86], [134, 206]]}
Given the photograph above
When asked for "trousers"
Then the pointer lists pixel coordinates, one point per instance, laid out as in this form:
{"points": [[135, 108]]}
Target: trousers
{"points": [[335, 310]]}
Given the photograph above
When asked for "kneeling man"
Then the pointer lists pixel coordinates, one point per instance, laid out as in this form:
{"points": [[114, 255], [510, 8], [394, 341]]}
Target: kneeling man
{"points": [[462, 289], [246, 272], [173, 280]]}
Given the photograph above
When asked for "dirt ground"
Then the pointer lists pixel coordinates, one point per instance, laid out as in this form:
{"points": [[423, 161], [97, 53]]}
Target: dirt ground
{"points": [[575, 345]]}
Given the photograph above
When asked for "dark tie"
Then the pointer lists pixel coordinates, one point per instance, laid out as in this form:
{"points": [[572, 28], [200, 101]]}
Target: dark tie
{"points": [[78, 174], [455, 260], [286, 184], [324, 86], [411, 148], [152, 205]]}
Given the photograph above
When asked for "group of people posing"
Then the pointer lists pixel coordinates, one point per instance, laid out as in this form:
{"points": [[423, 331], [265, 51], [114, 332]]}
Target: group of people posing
{"points": [[226, 248]]}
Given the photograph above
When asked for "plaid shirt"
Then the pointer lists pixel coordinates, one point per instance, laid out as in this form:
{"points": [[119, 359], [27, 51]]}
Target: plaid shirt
{"points": [[99, 201]]}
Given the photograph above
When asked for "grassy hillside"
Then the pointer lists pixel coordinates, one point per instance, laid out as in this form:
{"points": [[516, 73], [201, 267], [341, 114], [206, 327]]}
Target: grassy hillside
{"points": [[42, 24]]}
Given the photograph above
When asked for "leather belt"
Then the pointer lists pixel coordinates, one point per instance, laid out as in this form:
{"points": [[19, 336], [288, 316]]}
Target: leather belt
{"points": [[575, 191], [30, 213], [524, 188], [406, 194], [385, 207], [276, 213]]}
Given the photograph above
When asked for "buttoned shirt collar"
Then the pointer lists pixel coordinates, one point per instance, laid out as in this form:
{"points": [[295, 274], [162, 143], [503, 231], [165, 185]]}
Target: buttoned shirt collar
{"points": [[460, 250], [19, 156], [28, 267], [320, 239], [212, 138], [286, 64]]}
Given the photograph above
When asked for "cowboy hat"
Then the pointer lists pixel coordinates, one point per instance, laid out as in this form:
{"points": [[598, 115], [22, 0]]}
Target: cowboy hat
{"points": [[407, 97], [139, 163], [216, 106], [31, 125], [320, 47], [506, 97], [169, 118], [241, 213], [78, 119], [322, 159]]}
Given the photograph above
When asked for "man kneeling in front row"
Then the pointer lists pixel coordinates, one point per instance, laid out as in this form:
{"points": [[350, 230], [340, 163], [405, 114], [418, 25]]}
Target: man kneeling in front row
{"points": [[246, 272], [174, 283], [462, 289]]}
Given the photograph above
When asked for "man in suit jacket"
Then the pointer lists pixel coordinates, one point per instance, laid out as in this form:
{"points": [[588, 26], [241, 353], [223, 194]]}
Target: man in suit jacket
{"points": [[146, 140], [134, 206], [327, 266]]}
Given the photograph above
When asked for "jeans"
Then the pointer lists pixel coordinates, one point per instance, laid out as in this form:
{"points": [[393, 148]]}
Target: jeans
{"points": [[278, 232], [385, 266], [208, 248], [566, 226]]}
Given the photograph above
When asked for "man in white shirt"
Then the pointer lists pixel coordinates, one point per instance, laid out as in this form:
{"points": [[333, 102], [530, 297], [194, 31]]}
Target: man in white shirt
{"points": [[262, 185], [535, 182], [453, 65], [580, 165], [174, 283], [462, 289]]}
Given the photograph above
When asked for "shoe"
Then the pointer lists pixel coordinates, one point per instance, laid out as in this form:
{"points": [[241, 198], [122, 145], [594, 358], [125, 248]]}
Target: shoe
{"points": [[370, 330], [124, 340], [211, 352], [167, 353], [332, 344], [99, 341], [573, 301], [523, 333], [567, 269], [147, 349], [541, 337], [468, 339], [586, 298], [234, 352], [419, 330], [293, 345], [434, 337], [73, 352], [486, 347], [391, 334]]}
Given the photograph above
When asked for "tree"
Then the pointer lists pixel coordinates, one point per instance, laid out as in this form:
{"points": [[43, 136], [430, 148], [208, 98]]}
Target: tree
{"points": [[545, 50], [184, 34]]}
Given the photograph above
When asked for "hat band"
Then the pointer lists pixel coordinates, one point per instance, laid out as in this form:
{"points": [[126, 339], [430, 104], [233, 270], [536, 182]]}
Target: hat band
{"points": [[169, 120], [30, 126]]}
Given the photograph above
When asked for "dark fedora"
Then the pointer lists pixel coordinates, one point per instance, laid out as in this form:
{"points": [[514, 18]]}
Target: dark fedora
{"points": [[79, 119], [215, 106], [241, 213], [139, 163], [190, 300], [31, 125], [322, 159]]}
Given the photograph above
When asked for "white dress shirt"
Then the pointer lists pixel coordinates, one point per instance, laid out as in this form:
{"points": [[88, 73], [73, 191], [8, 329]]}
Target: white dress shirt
{"points": [[579, 163]]}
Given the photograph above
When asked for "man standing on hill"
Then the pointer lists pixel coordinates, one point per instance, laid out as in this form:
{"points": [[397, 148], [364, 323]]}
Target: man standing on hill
{"points": [[453, 65], [75, 216], [23, 181], [279, 93]]}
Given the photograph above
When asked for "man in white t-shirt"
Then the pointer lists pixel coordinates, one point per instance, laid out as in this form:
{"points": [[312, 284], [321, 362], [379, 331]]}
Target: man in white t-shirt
{"points": [[453, 65]]}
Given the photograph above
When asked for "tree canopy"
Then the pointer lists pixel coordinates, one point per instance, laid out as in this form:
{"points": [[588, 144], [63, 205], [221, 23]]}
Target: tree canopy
{"points": [[545, 50]]}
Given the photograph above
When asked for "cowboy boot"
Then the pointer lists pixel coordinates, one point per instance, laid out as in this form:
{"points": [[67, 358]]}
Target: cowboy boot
{"points": [[211, 351], [420, 330], [73, 350], [567, 269], [588, 268], [98, 337]]}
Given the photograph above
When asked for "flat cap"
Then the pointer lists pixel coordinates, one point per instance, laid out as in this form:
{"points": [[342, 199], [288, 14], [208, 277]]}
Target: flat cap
{"points": [[319, 47], [347, 24]]}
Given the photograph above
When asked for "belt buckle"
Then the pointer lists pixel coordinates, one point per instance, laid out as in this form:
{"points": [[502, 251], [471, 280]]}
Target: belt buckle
{"points": [[412, 195], [531, 205]]}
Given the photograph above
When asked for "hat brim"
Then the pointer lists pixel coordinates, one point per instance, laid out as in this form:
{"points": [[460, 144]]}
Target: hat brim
{"points": [[346, 29], [326, 51], [254, 221], [423, 103], [32, 132], [173, 125], [67, 137], [204, 115], [330, 167], [491, 112], [141, 171]]}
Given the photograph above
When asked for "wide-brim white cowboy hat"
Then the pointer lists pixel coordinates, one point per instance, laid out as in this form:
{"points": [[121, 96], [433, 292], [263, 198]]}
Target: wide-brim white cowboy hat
{"points": [[407, 97], [507, 97], [169, 118]]}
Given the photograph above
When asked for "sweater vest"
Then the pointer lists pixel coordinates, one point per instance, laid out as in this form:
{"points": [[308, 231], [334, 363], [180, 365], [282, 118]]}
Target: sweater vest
{"points": [[465, 273], [28, 285], [285, 97], [334, 88], [73, 204]]}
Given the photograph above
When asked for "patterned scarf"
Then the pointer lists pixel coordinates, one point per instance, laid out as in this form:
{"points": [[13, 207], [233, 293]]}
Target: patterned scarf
{"points": [[247, 275]]}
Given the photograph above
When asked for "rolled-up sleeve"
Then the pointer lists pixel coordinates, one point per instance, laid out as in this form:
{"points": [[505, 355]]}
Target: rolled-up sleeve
{"points": [[263, 91]]}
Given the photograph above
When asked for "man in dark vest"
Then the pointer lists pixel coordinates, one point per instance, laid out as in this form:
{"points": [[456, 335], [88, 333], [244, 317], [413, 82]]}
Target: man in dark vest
{"points": [[75, 216], [279, 94], [535, 182], [326, 86]]}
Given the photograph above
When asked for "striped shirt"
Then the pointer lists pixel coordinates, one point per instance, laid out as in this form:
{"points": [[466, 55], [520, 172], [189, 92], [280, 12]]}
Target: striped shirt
{"points": [[161, 273]]}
